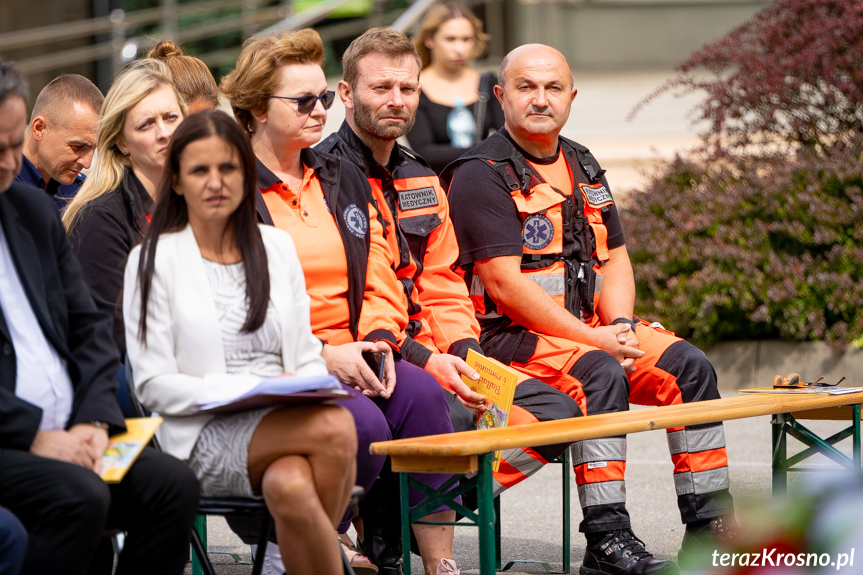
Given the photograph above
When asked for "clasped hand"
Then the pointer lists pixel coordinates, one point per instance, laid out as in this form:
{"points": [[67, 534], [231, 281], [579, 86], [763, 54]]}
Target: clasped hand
{"points": [[83, 445], [620, 342]]}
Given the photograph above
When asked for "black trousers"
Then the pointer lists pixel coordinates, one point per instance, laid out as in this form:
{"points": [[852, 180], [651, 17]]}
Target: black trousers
{"points": [[66, 509]]}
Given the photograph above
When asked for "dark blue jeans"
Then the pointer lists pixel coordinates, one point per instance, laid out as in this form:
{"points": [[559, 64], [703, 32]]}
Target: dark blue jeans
{"points": [[13, 543]]}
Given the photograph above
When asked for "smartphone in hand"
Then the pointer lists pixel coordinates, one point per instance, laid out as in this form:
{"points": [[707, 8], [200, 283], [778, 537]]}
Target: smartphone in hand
{"points": [[376, 361]]}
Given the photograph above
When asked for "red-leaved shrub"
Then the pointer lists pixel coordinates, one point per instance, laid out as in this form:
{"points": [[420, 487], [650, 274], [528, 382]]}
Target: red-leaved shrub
{"points": [[793, 73], [752, 247]]}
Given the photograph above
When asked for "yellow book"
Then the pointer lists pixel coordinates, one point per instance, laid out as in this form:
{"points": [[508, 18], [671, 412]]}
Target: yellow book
{"points": [[497, 383], [123, 449]]}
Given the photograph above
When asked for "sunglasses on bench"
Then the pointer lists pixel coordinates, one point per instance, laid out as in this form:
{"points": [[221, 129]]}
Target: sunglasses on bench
{"points": [[305, 104], [793, 381]]}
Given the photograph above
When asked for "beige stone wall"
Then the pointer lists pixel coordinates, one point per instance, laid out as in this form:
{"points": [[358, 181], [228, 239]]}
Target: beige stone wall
{"points": [[741, 364], [625, 33]]}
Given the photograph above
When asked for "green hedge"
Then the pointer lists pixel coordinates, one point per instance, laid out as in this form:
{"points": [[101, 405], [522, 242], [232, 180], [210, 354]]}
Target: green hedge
{"points": [[751, 248]]}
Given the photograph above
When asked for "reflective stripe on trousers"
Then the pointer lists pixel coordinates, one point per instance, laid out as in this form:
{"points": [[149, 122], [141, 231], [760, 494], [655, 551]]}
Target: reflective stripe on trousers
{"points": [[599, 466], [516, 465], [700, 460]]}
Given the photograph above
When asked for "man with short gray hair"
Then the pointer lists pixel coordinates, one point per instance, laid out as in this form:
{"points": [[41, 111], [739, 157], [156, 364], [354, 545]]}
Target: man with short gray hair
{"points": [[61, 137]]}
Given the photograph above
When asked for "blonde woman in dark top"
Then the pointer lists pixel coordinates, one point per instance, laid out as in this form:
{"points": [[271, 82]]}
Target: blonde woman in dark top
{"points": [[449, 38], [110, 213]]}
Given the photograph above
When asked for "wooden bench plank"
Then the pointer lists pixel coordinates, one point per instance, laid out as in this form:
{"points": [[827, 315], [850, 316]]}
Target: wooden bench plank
{"points": [[436, 464], [842, 413], [606, 425]]}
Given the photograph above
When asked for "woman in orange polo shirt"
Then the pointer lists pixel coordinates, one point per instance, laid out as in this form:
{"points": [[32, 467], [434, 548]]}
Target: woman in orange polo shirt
{"points": [[279, 95]]}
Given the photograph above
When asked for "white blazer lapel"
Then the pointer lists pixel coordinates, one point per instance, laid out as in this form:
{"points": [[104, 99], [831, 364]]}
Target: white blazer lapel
{"points": [[199, 339], [282, 299]]}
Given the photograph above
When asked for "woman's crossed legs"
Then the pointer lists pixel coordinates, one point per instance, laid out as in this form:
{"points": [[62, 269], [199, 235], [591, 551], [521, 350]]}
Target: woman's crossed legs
{"points": [[303, 460]]}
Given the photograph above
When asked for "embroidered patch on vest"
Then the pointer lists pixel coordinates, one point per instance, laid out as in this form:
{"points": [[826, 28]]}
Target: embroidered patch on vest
{"points": [[356, 220], [596, 195], [416, 199], [537, 232]]}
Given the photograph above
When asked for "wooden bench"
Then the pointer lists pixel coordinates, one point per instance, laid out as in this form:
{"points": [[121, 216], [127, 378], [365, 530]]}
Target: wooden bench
{"points": [[470, 452]]}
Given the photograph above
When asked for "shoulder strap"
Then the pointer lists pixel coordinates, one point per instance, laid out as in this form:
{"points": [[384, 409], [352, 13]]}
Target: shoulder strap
{"points": [[261, 206], [587, 160], [480, 109], [494, 149]]}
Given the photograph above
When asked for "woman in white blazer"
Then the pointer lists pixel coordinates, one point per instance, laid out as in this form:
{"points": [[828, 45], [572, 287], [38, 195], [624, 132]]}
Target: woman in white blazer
{"points": [[212, 304]]}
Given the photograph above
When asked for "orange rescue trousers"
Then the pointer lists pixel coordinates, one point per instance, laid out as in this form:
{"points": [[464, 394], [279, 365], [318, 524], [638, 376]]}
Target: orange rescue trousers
{"points": [[671, 371]]}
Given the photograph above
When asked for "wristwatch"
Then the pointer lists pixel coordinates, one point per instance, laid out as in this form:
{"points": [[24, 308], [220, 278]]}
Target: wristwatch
{"points": [[627, 320], [101, 425]]}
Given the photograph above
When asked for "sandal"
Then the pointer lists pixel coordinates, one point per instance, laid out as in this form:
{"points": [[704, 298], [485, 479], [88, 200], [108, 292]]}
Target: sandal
{"points": [[359, 562]]}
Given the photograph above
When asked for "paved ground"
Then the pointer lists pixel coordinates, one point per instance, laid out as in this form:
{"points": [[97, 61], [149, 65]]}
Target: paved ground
{"points": [[531, 511]]}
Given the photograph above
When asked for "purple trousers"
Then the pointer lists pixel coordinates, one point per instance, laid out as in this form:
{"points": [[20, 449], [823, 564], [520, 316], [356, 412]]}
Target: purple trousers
{"points": [[416, 408]]}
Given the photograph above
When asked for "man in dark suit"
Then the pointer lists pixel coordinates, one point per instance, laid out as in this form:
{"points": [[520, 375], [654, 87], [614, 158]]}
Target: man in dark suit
{"points": [[57, 398]]}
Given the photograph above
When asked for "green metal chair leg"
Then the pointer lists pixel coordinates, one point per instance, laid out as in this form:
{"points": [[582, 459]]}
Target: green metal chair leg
{"points": [[406, 522], [485, 500], [780, 473], [566, 464], [497, 536], [565, 474], [201, 528], [855, 424]]}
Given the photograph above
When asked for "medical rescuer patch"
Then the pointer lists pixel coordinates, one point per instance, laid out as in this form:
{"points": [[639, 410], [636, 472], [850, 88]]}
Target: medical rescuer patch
{"points": [[537, 232], [597, 195], [356, 220], [416, 199]]}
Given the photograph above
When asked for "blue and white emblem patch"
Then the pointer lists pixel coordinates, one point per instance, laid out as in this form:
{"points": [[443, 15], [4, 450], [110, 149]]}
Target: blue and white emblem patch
{"points": [[356, 220], [537, 232]]}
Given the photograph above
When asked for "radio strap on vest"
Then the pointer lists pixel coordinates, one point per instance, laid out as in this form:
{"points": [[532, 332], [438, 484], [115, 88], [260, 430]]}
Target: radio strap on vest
{"points": [[588, 163]]}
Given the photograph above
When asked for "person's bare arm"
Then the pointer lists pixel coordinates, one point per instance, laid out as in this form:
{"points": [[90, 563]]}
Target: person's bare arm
{"points": [[525, 302], [618, 287], [618, 296]]}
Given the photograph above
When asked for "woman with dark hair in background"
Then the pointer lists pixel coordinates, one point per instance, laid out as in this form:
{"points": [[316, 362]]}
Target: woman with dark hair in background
{"points": [[449, 38], [214, 303], [192, 77]]}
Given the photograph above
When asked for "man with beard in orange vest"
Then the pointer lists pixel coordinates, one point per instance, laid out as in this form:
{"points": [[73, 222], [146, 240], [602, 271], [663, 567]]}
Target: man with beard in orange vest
{"points": [[380, 91]]}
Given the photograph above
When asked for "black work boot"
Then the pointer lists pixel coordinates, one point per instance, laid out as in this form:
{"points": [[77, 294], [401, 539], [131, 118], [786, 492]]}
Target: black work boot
{"points": [[702, 538], [622, 553]]}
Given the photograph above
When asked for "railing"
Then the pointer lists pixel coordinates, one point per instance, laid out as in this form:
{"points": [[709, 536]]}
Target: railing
{"points": [[120, 48], [113, 39]]}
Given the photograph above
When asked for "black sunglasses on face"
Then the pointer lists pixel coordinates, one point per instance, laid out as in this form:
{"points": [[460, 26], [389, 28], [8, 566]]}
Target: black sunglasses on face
{"points": [[305, 104]]}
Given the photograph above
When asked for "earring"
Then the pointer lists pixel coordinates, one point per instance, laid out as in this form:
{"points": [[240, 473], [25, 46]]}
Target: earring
{"points": [[126, 153]]}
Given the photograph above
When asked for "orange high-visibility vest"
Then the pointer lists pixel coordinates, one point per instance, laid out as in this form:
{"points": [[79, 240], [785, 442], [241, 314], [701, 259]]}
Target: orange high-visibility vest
{"points": [[563, 236]]}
